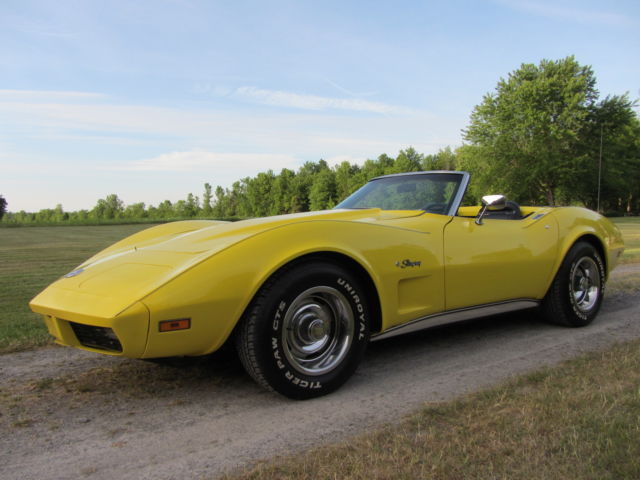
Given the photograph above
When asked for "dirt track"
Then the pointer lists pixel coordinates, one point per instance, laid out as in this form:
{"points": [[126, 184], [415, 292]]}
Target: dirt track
{"points": [[71, 414]]}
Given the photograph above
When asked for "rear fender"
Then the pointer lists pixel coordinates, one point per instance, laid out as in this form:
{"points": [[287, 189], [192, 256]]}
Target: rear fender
{"points": [[575, 223]]}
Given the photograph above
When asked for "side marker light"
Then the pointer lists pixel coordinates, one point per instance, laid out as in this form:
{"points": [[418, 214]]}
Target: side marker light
{"points": [[173, 325]]}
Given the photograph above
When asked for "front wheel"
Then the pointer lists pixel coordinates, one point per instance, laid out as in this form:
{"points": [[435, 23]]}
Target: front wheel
{"points": [[576, 293], [306, 331]]}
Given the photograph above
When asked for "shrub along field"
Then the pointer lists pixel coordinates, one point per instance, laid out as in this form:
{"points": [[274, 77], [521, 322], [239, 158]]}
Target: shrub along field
{"points": [[31, 258]]}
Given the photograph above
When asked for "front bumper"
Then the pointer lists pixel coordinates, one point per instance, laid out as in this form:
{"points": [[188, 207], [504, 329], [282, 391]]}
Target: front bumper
{"points": [[124, 335]]}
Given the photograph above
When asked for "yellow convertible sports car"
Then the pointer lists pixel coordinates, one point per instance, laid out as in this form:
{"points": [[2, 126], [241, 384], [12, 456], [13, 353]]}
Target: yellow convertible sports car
{"points": [[301, 295]]}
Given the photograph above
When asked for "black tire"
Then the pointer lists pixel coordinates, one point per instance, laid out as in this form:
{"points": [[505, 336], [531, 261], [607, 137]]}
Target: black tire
{"points": [[306, 330], [576, 294]]}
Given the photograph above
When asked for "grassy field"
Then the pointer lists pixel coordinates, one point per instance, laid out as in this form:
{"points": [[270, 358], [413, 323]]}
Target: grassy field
{"points": [[31, 258], [580, 419], [630, 227]]}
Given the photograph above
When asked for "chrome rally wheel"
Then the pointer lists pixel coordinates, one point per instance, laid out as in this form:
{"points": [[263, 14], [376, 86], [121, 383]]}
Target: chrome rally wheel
{"points": [[318, 330], [585, 284]]}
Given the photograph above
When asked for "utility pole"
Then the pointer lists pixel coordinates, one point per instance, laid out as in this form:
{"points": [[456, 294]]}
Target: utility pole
{"points": [[600, 166]]}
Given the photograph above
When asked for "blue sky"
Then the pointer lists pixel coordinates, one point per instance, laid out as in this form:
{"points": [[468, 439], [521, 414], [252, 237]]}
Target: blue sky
{"points": [[151, 99]]}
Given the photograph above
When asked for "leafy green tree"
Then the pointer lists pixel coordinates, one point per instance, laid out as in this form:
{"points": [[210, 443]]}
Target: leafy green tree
{"points": [[165, 209], [180, 209], [220, 204], [259, 194], [345, 176], [59, 215], [236, 204], [45, 215], [408, 160], [302, 185], [187, 208], [445, 159], [322, 194], [374, 168], [3, 206], [80, 215], [206, 200], [282, 192], [193, 205], [135, 210], [108, 208], [527, 134], [613, 129]]}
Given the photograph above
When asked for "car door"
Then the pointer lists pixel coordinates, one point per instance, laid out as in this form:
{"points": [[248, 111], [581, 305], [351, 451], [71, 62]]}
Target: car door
{"points": [[498, 260]]}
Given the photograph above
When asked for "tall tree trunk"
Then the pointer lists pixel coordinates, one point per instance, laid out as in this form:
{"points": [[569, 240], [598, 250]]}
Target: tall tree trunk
{"points": [[551, 197]]}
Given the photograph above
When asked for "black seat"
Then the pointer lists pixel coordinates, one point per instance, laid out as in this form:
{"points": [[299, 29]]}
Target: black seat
{"points": [[511, 211]]}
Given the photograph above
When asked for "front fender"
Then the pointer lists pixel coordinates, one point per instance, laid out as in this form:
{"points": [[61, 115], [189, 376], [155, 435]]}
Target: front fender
{"points": [[215, 293]]}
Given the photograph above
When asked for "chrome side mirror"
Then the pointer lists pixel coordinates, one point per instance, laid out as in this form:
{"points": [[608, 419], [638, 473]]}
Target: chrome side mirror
{"points": [[491, 202]]}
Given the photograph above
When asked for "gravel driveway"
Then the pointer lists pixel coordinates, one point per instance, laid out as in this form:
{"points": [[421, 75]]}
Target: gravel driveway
{"points": [[65, 413]]}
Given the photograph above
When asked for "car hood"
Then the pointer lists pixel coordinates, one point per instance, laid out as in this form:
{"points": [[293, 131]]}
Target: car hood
{"points": [[114, 279]]}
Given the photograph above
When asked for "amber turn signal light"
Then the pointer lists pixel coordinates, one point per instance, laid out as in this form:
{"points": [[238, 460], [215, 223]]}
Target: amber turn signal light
{"points": [[172, 325]]}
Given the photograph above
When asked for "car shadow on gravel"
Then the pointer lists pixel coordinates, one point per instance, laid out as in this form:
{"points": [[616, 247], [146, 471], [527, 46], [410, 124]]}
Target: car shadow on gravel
{"points": [[487, 329], [458, 334]]}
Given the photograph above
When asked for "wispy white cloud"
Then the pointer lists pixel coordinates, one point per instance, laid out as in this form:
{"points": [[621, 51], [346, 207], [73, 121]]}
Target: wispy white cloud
{"points": [[30, 26], [342, 89], [67, 116], [50, 95], [278, 98], [579, 15], [198, 160]]}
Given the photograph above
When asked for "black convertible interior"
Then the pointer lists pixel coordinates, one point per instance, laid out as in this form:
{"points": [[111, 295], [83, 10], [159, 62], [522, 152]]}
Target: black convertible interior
{"points": [[511, 211]]}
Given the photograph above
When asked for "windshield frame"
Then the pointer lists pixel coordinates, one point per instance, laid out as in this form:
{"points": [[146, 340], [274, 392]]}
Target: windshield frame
{"points": [[456, 198]]}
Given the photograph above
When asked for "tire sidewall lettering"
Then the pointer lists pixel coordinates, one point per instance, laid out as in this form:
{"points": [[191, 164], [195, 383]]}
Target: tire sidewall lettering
{"points": [[360, 310], [282, 305]]}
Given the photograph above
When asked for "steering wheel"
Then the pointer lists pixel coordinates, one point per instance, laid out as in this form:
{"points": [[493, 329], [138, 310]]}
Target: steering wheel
{"points": [[436, 208]]}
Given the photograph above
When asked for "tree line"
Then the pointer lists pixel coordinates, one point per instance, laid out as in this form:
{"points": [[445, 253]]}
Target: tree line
{"points": [[542, 137], [314, 186]]}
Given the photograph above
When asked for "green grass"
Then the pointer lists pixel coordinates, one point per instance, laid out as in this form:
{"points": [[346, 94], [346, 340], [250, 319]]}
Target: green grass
{"points": [[630, 227], [5, 223], [580, 419], [30, 259]]}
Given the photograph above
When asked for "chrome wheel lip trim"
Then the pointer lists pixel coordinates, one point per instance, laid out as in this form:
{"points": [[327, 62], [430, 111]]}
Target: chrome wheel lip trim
{"points": [[317, 307], [585, 284]]}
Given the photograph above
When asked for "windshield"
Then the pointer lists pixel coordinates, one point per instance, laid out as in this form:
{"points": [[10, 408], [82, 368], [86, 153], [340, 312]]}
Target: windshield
{"points": [[433, 192]]}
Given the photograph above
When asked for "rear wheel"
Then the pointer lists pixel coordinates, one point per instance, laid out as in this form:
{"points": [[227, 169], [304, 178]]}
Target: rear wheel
{"points": [[576, 293], [306, 331]]}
